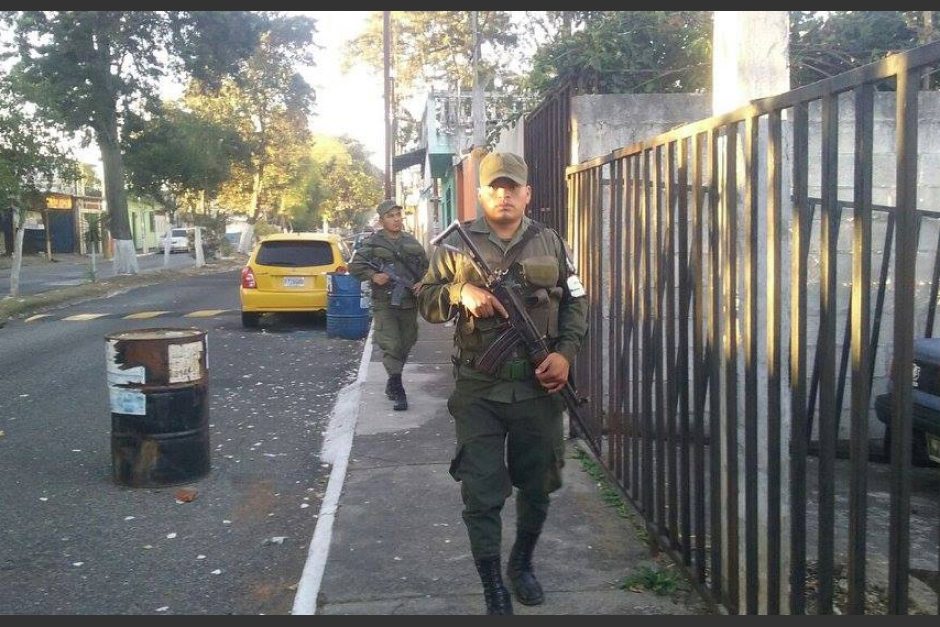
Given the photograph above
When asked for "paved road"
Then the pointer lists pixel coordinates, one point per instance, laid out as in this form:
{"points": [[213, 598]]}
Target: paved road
{"points": [[72, 542]]}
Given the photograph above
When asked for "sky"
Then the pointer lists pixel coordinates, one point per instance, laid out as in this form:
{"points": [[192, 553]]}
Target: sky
{"points": [[347, 104]]}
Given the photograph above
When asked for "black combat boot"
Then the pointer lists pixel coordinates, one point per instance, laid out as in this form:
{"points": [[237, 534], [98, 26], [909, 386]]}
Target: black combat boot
{"points": [[394, 380], [398, 394], [497, 597], [519, 570]]}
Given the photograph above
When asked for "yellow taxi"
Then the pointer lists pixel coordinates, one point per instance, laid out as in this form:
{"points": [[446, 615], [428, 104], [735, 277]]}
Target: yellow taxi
{"points": [[288, 273]]}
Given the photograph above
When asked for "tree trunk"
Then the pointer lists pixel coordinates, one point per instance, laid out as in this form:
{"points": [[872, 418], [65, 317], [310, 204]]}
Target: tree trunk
{"points": [[19, 217], [256, 184], [244, 244], [125, 252], [94, 262], [167, 243], [48, 232], [200, 254]]}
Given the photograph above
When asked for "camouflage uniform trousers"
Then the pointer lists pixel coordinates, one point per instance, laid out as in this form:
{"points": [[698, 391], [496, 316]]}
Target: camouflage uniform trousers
{"points": [[488, 467], [396, 331]]}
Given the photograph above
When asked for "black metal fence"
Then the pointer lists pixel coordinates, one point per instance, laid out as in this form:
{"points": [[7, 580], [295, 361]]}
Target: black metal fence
{"points": [[547, 136], [712, 407]]}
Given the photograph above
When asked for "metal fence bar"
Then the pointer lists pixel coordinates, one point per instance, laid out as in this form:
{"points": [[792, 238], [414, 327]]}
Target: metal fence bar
{"points": [[647, 350], [905, 261], [729, 230], [751, 290], [861, 307], [625, 308], [637, 326], [659, 367], [774, 357], [798, 360], [670, 372], [685, 428], [714, 366], [825, 352], [614, 417], [699, 363]]}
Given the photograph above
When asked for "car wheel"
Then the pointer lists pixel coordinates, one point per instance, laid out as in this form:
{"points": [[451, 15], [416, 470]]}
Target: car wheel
{"points": [[251, 320]]}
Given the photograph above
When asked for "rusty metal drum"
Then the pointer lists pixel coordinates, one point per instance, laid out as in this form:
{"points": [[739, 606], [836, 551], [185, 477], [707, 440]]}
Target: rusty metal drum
{"points": [[158, 383]]}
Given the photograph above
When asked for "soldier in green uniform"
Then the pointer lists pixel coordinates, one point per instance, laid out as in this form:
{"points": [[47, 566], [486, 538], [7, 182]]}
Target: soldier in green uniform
{"points": [[509, 427], [392, 251]]}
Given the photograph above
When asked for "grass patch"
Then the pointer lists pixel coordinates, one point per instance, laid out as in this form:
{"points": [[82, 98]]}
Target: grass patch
{"points": [[610, 496], [660, 581]]}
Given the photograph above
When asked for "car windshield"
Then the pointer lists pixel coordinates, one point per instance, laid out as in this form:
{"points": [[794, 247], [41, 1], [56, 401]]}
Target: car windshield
{"points": [[295, 254]]}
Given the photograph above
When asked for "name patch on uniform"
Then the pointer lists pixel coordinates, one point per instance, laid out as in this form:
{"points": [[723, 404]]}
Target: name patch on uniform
{"points": [[574, 286]]}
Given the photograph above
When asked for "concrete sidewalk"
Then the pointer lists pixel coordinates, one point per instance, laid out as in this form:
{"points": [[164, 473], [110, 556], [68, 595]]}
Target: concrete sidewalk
{"points": [[399, 545]]}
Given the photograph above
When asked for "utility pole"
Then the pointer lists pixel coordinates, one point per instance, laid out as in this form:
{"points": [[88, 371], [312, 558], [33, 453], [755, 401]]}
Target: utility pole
{"points": [[389, 137], [478, 104], [927, 35]]}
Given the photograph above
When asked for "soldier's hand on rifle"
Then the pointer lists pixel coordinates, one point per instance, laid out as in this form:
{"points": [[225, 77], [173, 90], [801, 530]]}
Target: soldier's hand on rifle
{"points": [[380, 278], [416, 288], [481, 303], [553, 372]]}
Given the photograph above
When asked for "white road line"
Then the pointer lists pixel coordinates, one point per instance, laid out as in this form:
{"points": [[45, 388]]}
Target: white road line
{"points": [[336, 449]]}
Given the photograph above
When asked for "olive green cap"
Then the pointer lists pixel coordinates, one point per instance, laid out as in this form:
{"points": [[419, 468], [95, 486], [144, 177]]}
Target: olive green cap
{"points": [[498, 165], [385, 206]]}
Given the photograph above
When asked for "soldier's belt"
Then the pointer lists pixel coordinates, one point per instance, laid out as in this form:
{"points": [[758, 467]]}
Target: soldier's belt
{"points": [[510, 370], [516, 370]]}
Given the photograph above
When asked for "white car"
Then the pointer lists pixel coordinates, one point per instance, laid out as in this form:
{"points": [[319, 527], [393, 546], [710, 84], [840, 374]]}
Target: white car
{"points": [[178, 241]]}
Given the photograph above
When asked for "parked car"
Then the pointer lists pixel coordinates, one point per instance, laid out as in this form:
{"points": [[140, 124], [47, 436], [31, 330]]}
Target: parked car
{"points": [[288, 273], [178, 240], [926, 414]]}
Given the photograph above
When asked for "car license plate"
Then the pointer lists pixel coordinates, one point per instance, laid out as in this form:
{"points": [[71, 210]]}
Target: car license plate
{"points": [[933, 448], [293, 281]]}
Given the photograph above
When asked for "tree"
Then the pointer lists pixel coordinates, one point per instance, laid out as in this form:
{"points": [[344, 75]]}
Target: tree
{"points": [[268, 103], [826, 43], [353, 184], [89, 69], [627, 52], [337, 182], [95, 224], [31, 158], [433, 51], [181, 158]]}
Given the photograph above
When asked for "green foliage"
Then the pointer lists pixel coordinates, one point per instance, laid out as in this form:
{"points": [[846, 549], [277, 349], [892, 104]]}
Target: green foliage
{"points": [[433, 49], [95, 225], [336, 182], [89, 70], [175, 156], [628, 52], [660, 581], [213, 234], [32, 156], [263, 230], [267, 104], [826, 43]]}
